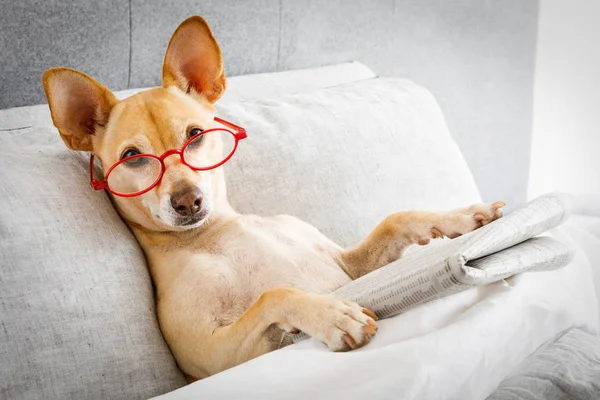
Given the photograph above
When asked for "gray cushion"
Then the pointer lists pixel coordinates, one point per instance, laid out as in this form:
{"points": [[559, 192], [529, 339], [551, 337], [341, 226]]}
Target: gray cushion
{"points": [[568, 368], [76, 302]]}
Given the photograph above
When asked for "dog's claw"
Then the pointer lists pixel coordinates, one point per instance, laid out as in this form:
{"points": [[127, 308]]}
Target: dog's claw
{"points": [[372, 324], [480, 217], [370, 314], [349, 341], [436, 233], [369, 330], [498, 204]]}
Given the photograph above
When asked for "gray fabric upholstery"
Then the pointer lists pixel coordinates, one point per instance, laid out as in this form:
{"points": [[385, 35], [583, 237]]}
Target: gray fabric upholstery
{"points": [[477, 57], [566, 369], [92, 36], [247, 33], [76, 302]]}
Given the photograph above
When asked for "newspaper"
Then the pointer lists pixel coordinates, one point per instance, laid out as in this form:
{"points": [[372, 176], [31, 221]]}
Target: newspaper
{"points": [[494, 252]]}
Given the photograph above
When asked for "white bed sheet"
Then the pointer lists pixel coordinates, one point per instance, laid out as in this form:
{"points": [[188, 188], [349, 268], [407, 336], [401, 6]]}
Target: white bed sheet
{"points": [[460, 347]]}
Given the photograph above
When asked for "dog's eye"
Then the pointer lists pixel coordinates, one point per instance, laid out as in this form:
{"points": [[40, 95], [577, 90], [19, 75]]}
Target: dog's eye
{"points": [[199, 140], [129, 153], [134, 162], [195, 131]]}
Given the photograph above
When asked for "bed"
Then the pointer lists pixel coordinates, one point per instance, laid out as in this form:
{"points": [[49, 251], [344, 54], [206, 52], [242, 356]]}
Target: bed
{"points": [[79, 320]]}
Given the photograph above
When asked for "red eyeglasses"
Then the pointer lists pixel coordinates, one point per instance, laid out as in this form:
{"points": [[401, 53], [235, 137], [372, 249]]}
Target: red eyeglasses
{"points": [[138, 174]]}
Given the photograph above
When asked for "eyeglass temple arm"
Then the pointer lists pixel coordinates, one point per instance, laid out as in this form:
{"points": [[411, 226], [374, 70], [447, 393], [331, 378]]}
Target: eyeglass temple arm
{"points": [[96, 184], [241, 131]]}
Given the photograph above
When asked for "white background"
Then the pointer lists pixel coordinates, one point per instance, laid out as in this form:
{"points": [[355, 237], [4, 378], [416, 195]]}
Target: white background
{"points": [[566, 121]]}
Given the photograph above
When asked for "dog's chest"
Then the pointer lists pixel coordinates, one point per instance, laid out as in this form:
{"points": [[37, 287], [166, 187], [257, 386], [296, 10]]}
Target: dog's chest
{"points": [[258, 254], [283, 252]]}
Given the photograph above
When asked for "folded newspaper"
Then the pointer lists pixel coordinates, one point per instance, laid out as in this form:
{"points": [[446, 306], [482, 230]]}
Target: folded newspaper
{"points": [[494, 252]]}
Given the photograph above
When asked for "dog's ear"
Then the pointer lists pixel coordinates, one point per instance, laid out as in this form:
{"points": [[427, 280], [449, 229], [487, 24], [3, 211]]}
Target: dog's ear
{"points": [[193, 61], [79, 106]]}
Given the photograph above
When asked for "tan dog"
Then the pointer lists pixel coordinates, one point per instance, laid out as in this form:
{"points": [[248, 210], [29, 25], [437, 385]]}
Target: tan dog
{"points": [[228, 286]]}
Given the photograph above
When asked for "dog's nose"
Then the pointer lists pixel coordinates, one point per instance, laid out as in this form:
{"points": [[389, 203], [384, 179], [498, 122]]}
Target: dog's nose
{"points": [[187, 202]]}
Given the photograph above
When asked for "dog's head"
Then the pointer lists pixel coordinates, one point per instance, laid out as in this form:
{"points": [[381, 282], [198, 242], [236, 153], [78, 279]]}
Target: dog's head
{"points": [[90, 118]]}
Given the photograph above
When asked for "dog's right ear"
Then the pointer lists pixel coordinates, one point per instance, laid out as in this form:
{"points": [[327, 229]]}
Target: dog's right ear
{"points": [[79, 106], [193, 61]]}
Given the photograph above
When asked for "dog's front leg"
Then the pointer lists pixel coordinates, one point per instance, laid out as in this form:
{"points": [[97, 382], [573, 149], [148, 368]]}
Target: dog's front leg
{"points": [[340, 324], [388, 241]]}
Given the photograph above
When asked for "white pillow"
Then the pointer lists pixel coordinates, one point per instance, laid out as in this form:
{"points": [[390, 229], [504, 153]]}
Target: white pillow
{"points": [[343, 158]]}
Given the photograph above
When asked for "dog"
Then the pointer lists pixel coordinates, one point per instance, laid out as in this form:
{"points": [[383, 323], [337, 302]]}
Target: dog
{"points": [[228, 286]]}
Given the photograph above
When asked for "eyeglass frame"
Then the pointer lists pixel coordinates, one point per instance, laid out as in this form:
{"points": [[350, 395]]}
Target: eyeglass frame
{"points": [[103, 184]]}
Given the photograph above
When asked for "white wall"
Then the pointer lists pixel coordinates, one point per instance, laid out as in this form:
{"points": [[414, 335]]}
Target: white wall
{"points": [[566, 120]]}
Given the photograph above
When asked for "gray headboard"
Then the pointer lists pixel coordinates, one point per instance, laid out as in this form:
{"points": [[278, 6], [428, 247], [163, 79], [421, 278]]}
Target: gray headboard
{"points": [[476, 56]]}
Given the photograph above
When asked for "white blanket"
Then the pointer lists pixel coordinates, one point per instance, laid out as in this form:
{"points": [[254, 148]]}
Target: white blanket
{"points": [[459, 347]]}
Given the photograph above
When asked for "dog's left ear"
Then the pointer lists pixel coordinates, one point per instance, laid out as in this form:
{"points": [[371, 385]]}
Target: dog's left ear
{"points": [[193, 61]]}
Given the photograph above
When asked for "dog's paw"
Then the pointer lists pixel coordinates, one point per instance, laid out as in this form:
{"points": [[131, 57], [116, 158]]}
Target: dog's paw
{"points": [[459, 222], [342, 325], [485, 213]]}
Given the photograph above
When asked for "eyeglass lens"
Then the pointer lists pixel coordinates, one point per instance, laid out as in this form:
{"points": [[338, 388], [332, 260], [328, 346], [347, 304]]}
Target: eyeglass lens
{"points": [[141, 172]]}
